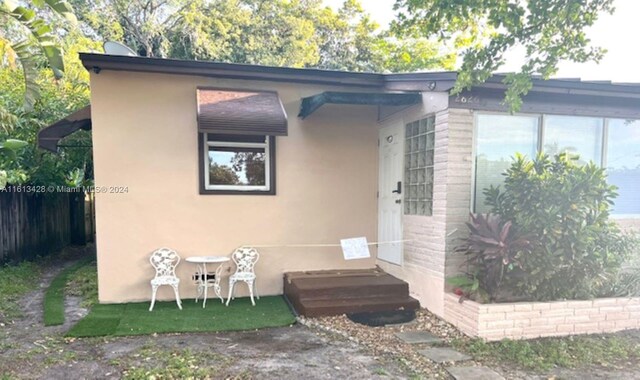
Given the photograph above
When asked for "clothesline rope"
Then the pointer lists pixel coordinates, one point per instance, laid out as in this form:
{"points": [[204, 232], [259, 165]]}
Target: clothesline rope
{"points": [[319, 245]]}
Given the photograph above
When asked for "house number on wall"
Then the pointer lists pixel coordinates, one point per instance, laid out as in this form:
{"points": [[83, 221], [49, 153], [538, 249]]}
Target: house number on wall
{"points": [[471, 99]]}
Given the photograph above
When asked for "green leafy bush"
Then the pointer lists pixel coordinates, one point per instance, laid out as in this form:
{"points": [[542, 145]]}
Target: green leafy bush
{"points": [[627, 282], [576, 251]]}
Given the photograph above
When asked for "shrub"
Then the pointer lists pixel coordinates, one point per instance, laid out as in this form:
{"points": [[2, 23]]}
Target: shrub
{"points": [[627, 282], [576, 251], [493, 249]]}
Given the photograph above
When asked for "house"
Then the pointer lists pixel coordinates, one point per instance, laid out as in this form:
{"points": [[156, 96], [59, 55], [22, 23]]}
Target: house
{"points": [[204, 157]]}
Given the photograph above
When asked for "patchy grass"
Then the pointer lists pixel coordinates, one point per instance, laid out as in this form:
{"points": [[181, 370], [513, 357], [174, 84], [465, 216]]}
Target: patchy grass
{"points": [[54, 297], [84, 283], [136, 319], [15, 282], [152, 362], [544, 354]]}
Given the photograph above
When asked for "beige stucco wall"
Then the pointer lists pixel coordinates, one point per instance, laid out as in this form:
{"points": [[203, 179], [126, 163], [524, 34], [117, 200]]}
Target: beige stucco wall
{"points": [[144, 132]]}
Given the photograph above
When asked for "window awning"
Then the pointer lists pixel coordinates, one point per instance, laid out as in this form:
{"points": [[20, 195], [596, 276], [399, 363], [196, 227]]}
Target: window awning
{"points": [[312, 103], [49, 137], [241, 112]]}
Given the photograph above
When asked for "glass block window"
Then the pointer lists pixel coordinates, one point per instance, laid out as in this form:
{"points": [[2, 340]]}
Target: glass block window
{"points": [[418, 167]]}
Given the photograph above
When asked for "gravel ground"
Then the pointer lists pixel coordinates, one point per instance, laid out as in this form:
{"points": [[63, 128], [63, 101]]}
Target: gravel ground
{"points": [[382, 340]]}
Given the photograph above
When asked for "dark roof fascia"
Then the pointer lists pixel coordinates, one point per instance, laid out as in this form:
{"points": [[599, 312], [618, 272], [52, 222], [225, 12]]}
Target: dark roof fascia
{"points": [[396, 82], [570, 87], [425, 81], [98, 62], [310, 104]]}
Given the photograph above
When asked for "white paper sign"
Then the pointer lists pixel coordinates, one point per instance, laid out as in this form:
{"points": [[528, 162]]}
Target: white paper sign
{"points": [[355, 248]]}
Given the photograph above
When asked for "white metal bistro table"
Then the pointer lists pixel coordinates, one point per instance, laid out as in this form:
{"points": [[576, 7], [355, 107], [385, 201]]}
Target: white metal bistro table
{"points": [[202, 275]]}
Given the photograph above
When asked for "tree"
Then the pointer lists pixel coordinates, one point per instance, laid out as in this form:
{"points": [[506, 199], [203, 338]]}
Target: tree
{"points": [[58, 98], [252, 165], [26, 37], [222, 175], [8, 155], [294, 33], [484, 31]]}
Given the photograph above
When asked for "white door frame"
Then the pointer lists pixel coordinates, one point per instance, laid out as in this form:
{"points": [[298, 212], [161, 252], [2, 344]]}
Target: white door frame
{"points": [[387, 199]]}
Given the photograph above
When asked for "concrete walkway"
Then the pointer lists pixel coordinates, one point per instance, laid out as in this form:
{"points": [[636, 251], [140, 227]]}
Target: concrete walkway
{"points": [[444, 355]]}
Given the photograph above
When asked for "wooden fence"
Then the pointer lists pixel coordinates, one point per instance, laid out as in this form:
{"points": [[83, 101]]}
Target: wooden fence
{"points": [[34, 224]]}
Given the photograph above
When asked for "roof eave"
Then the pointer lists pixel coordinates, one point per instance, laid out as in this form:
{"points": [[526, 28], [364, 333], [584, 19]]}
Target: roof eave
{"points": [[424, 81], [98, 62], [569, 87]]}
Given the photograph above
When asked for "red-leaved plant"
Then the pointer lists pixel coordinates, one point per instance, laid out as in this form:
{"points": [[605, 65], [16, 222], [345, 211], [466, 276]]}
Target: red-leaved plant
{"points": [[492, 248]]}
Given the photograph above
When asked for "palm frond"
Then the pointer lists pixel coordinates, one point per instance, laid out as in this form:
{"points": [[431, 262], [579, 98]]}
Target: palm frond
{"points": [[29, 62], [63, 8], [41, 31]]}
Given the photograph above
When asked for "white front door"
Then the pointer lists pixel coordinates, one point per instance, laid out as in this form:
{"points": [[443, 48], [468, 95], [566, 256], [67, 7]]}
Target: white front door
{"points": [[390, 190]]}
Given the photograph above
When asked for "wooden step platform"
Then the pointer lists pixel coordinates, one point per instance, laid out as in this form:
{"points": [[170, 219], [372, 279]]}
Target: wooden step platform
{"points": [[334, 292]]}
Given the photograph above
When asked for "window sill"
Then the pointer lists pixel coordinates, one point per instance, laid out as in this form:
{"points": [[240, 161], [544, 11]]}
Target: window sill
{"points": [[236, 192]]}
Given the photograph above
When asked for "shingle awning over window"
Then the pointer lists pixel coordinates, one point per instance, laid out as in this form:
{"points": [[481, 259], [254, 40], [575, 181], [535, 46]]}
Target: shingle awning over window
{"points": [[241, 112], [49, 137], [312, 103]]}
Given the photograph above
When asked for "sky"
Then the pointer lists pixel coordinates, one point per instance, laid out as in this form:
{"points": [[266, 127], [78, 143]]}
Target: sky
{"points": [[616, 33]]}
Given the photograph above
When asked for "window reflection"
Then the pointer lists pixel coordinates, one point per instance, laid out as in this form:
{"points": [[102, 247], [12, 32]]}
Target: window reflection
{"points": [[623, 164], [237, 166], [498, 139], [576, 135]]}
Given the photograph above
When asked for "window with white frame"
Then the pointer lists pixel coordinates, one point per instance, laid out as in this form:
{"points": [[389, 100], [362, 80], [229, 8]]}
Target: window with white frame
{"points": [[612, 143], [238, 164]]}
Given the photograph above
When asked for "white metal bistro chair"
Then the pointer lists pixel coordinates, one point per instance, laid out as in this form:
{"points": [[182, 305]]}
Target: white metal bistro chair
{"points": [[245, 259], [165, 261]]}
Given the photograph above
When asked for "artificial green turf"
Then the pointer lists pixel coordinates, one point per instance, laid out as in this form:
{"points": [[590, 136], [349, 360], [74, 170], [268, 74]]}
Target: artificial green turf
{"points": [[136, 319], [54, 297]]}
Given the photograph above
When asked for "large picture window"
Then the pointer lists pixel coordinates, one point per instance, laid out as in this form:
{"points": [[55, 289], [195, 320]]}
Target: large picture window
{"points": [[418, 166], [623, 164], [498, 138], [613, 143], [238, 164], [576, 135]]}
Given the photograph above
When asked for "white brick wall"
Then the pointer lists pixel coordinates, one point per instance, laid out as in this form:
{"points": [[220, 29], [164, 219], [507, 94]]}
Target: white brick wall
{"points": [[459, 182], [521, 320], [525, 320], [429, 256]]}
